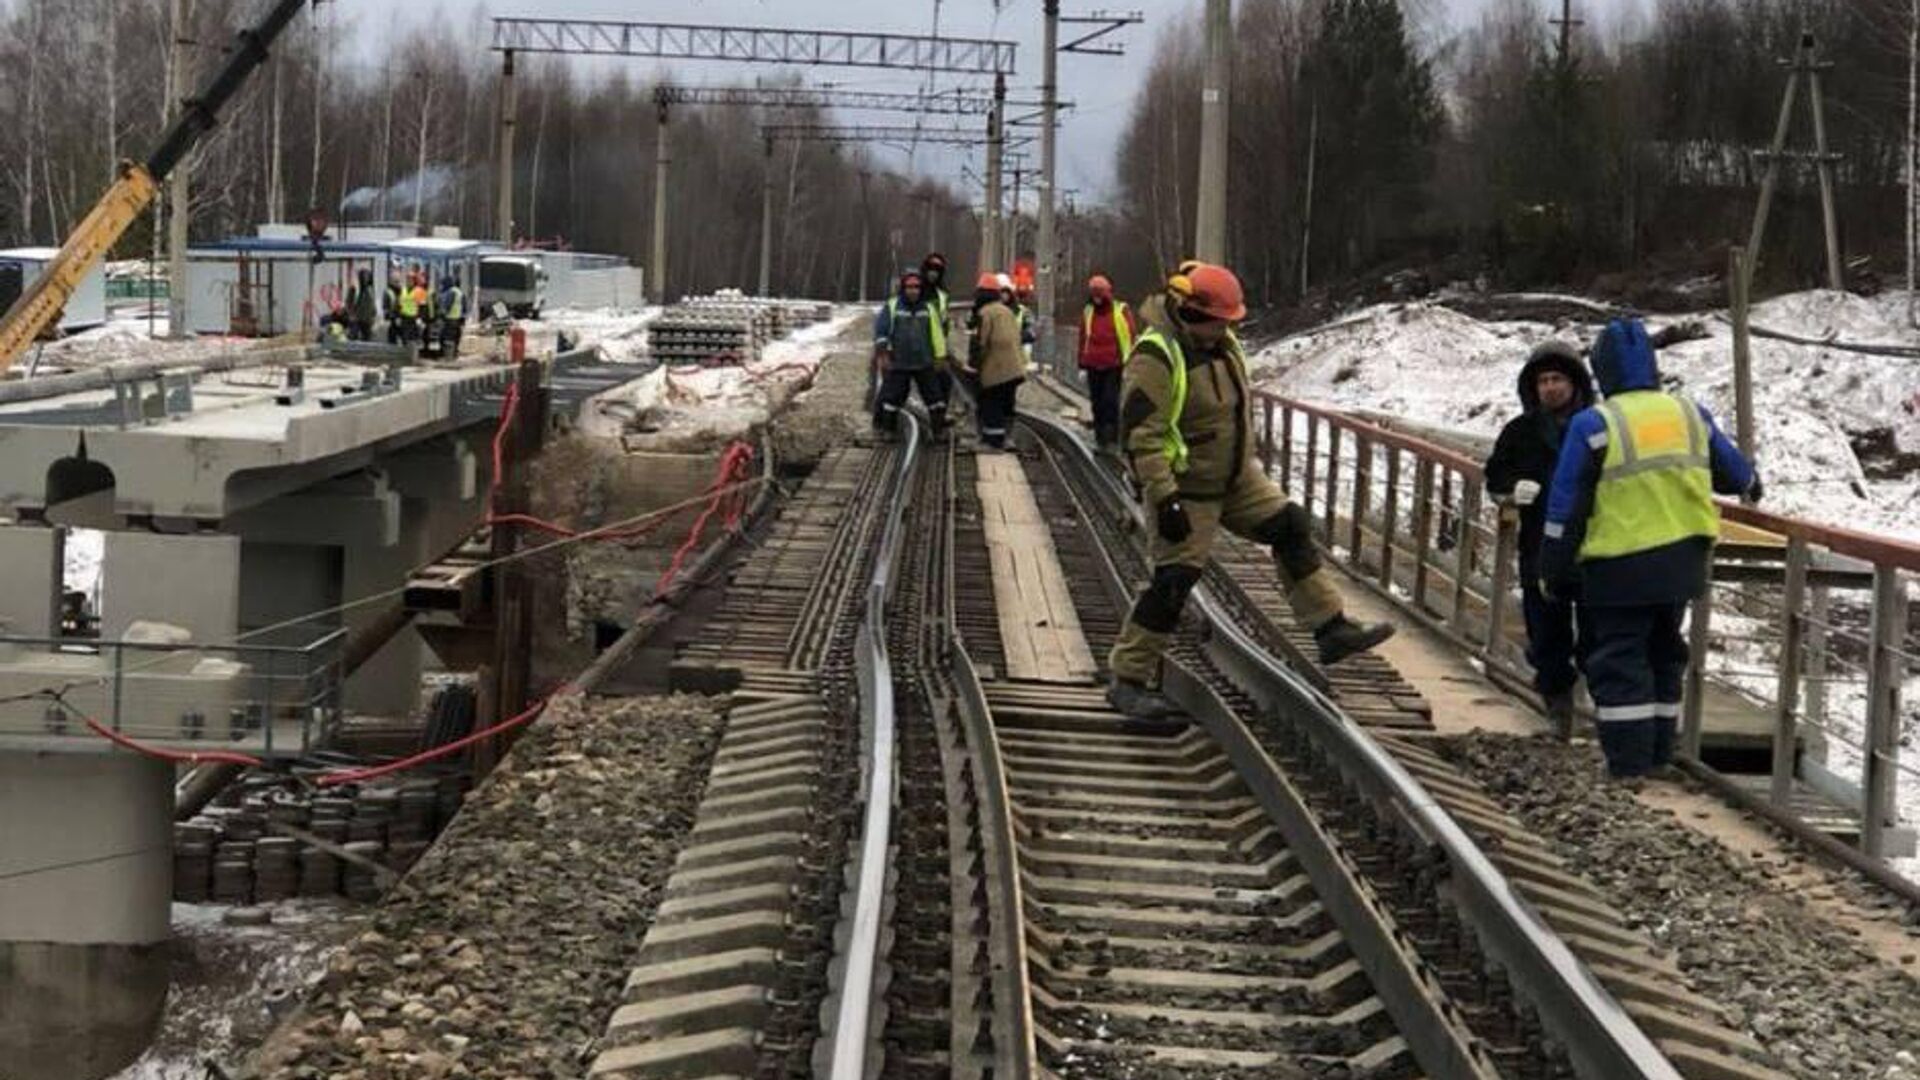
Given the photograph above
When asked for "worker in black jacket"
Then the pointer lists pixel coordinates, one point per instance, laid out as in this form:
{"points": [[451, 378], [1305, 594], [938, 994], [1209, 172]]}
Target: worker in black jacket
{"points": [[1554, 385]]}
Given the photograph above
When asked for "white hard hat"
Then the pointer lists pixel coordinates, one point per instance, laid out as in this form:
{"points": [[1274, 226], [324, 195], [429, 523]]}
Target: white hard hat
{"points": [[1005, 281]]}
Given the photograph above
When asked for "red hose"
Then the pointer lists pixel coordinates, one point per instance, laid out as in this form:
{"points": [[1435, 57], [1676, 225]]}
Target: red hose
{"points": [[354, 776], [189, 757]]}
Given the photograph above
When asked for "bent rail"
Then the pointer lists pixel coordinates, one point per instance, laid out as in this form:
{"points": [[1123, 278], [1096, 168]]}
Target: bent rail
{"points": [[852, 1040]]}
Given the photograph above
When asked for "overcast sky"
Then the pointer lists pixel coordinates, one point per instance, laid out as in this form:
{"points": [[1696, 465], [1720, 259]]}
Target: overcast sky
{"points": [[1102, 88]]}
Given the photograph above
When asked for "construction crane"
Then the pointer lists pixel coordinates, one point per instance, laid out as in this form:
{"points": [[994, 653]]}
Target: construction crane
{"points": [[40, 305]]}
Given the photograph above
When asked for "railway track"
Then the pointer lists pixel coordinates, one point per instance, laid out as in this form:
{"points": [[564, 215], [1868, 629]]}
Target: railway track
{"points": [[912, 863]]}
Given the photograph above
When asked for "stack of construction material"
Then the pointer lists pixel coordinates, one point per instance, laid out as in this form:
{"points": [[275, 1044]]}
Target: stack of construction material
{"points": [[727, 328], [234, 854]]}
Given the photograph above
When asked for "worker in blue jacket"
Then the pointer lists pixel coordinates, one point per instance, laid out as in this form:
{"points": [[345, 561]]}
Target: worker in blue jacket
{"points": [[909, 338], [1630, 529]]}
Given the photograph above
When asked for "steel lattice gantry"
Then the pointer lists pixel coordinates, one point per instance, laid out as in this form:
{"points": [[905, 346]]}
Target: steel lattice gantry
{"points": [[881, 133], [807, 97], [588, 37], [831, 48]]}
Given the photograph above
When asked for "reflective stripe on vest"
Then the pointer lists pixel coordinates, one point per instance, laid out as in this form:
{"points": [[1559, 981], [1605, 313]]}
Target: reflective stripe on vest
{"points": [[934, 326], [1656, 483], [1121, 330], [1173, 444]]}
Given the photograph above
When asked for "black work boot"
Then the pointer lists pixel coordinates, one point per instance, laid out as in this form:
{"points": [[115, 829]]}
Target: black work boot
{"points": [[1341, 637], [1139, 702], [1560, 712]]}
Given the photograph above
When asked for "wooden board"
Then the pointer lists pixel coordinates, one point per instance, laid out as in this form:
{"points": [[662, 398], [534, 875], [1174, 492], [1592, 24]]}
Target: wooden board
{"points": [[1039, 629]]}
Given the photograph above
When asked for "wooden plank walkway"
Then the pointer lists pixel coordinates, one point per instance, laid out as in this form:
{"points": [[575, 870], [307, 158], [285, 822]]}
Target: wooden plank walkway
{"points": [[1039, 628]]}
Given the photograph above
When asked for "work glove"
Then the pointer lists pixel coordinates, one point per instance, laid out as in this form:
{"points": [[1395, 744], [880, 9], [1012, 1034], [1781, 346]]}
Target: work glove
{"points": [[1525, 492], [1753, 493], [1173, 522]]}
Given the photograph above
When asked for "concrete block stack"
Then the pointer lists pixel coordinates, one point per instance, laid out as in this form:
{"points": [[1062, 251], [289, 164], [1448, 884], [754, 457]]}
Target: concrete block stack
{"points": [[727, 327]]}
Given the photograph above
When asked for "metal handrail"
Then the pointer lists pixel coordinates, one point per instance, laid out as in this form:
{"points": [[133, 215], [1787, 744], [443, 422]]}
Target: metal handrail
{"points": [[1484, 576], [851, 1039]]}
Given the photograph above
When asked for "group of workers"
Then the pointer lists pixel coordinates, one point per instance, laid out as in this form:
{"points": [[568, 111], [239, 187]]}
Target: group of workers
{"points": [[414, 313], [1612, 477]]}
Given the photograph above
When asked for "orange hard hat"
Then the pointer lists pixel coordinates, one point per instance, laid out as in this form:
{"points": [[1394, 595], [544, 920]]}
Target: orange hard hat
{"points": [[988, 280], [1213, 291], [1098, 285]]}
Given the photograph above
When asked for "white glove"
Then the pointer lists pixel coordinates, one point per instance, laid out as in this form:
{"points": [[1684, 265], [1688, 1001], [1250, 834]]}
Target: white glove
{"points": [[1525, 492]]}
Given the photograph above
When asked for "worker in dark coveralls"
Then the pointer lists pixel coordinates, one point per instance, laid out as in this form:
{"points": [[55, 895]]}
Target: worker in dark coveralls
{"points": [[1631, 523], [909, 338], [1554, 385]]}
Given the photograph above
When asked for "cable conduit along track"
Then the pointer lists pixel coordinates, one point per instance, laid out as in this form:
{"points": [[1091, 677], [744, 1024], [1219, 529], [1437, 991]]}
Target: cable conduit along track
{"points": [[1576, 1013]]}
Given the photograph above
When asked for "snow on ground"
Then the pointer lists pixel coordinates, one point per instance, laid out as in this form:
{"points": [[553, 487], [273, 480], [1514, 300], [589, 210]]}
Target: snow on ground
{"points": [[670, 408], [1430, 364], [621, 333]]}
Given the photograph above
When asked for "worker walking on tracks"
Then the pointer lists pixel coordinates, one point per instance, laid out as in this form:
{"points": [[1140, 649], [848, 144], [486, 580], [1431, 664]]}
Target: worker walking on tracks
{"points": [[1107, 331], [1631, 523], [907, 337], [995, 360], [1186, 418], [933, 277], [1554, 385]]}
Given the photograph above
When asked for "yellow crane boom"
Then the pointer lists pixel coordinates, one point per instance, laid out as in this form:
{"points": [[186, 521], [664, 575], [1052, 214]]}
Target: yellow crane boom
{"points": [[134, 190]]}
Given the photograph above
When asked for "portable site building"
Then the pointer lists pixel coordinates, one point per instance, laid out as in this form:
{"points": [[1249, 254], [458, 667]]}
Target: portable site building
{"points": [[21, 267], [266, 286]]}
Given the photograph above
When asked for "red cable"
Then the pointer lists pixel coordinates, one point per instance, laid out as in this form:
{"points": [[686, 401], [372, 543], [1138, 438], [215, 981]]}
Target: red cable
{"points": [[353, 776], [189, 757], [734, 464]]}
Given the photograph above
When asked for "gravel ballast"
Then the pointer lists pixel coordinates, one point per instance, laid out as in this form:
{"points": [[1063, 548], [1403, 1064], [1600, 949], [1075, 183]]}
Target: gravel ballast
{"points": [[504, 951], [1739, 928], [832, 412]]}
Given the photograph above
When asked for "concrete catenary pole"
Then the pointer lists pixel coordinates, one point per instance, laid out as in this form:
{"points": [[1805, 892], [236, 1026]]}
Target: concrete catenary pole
{"points": [[503, 188], [179, 188], [1045, 279], [866, 233], [996, 138], [766, 223], [1210, 219], [662, 157]]}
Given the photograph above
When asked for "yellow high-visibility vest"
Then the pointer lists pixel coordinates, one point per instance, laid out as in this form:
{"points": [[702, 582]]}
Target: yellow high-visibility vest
{"points": [[1656, 481], [1120, 328]]}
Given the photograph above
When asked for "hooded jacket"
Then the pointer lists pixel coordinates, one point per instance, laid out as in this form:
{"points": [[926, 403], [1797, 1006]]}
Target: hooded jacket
{"points": [[1623, 361], [904, 330], [1529, 446]]}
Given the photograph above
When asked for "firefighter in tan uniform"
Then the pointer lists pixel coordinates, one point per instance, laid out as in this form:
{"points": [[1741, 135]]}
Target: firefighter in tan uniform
{"points": [[1186, 418]]}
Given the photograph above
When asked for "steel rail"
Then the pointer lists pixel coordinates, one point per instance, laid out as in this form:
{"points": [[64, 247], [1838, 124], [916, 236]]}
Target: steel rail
{"points": [[852, 1039], [1600, 1039]]}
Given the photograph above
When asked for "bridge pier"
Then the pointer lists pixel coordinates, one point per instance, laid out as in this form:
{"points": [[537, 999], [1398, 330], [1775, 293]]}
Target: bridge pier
{"points": [[86, 877]]}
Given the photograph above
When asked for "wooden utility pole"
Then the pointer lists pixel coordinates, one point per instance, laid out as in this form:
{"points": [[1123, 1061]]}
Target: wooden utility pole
{"points": [[1566, 22], [866, 235], [1805, 64], [512, 591], [1306, 225], [1739, 285], [766, 222]]}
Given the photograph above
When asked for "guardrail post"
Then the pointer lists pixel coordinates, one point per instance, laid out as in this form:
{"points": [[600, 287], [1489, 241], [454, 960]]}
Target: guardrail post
{"points": [[1333, 481], [1313, 451], [1362, 483], [1695, 710], [1818, 612], [1883, 707], [1463, 561], [1422, 528], [1286, 448], [1793, 629], [1505, 541], [1266, 434], [1390, 514]]}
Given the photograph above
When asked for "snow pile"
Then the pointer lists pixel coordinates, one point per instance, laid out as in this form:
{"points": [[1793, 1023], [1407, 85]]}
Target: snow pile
{"points": [[619, 333], [1811, 402], [672, 408]]}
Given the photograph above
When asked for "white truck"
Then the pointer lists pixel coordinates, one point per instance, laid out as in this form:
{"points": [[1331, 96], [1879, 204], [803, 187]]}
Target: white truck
{"points": [[515, 282]]}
